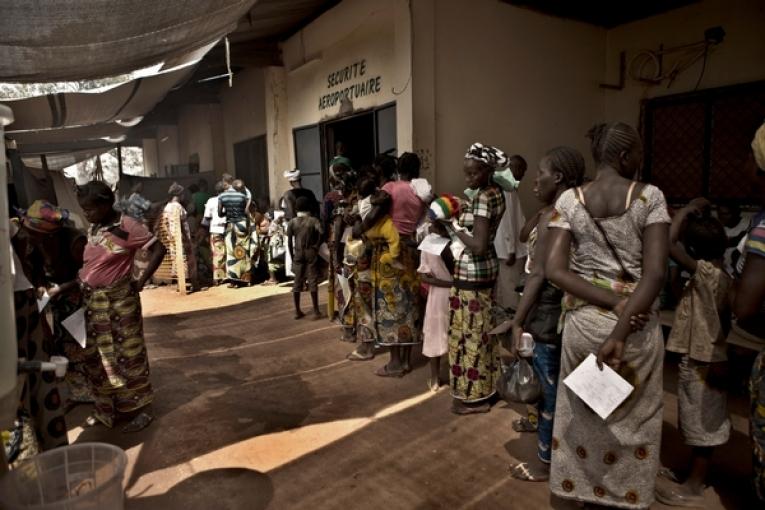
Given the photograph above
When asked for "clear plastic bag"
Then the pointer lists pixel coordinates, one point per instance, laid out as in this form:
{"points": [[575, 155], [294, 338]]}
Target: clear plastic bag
{"points": [[519, 383]]}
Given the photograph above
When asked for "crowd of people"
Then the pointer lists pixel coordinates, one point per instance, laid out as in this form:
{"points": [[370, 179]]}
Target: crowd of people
{"points": [[408, 267]]}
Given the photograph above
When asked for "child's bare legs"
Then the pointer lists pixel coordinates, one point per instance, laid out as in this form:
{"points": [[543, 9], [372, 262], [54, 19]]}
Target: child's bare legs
{"points": [[435, 370], [315, 302], [298, 312]]}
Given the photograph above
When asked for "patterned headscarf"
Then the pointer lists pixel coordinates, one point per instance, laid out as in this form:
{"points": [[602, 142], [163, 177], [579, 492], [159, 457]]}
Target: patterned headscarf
{"points": [[175, 190], [758, 147], [492, 156], [44, 217]]}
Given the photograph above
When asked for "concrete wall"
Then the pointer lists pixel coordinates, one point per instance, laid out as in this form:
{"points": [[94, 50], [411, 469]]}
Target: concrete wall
{"points": [[150, 160], [243, 110], [197, 134], [513, 78], [739, 59]]}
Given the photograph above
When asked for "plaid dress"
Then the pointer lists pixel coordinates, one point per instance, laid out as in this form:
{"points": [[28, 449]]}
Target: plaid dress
{"points": [[473, 354]]}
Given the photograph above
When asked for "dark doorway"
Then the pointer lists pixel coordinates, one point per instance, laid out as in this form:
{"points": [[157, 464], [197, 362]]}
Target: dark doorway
{"points": [[251, 164], [357, 133]]}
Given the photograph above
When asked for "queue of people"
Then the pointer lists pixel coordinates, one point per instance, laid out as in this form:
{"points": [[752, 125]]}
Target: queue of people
{"points": [[412, 268]]}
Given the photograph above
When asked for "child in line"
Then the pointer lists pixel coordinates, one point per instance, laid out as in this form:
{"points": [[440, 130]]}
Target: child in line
{"points": [[436, 271], [383, 230], [303, 240], [702, 322]]}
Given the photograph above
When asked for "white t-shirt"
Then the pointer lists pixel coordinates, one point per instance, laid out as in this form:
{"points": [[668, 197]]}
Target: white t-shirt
{"points": [[217, 224], [507, 240]]}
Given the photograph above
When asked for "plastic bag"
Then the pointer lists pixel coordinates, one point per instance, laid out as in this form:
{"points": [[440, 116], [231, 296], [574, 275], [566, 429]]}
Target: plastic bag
{"points": [[519, 383]]}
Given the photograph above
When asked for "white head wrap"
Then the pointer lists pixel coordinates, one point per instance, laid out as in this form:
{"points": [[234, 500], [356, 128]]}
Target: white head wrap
{"points": [[492, 156], [292, 175]]}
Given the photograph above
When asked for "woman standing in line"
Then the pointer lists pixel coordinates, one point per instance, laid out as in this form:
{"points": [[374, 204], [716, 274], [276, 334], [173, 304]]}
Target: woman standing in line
{"points": [[117, 363], [473, 354], [232, 205], [539, 309], [608, 253]]}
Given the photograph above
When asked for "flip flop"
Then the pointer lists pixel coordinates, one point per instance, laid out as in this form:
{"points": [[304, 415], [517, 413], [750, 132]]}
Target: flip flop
{"points": [[523, 425], [138, 423], [355, 356], [384, 372], [521, 472]]}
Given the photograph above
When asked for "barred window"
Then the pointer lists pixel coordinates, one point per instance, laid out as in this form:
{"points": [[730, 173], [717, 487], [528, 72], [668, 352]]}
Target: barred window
{"points": [[698, 143]]}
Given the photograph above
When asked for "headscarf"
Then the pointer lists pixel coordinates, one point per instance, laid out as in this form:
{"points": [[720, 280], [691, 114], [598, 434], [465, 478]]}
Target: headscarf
{"points": [[176, 190], [292, 175], [496, 159], [340, 160], [492, 156], [44, 217], [758, 147]]}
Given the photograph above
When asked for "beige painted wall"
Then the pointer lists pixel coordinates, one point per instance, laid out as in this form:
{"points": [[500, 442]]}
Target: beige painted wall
{"points": [[167, 148], [279, 139], [739, 59], [197, 134], [243, 108], [513, 78]]}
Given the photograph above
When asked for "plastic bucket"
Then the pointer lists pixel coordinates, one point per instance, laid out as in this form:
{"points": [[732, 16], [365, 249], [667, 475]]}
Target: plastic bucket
{"points": [[86, 476]]}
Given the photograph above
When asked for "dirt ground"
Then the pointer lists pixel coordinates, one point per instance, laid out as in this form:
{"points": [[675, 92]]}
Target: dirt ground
{"points": [[256, 410]]}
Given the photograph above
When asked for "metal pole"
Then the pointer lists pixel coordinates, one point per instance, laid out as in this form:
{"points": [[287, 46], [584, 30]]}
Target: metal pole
{"points": [[8, 348]]}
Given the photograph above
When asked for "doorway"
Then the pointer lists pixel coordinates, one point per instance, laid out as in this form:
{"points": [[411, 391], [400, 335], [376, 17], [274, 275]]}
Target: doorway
{"points": [[251, 165], [364, 136]]}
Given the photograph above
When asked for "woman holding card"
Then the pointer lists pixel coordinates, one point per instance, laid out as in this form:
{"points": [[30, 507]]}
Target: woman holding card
{"points": [[608, 253]]}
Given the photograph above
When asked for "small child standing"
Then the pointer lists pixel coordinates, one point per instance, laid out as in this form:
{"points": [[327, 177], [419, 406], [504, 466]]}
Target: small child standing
{"points": [[436, 271], [702, 321], [303, 241]]}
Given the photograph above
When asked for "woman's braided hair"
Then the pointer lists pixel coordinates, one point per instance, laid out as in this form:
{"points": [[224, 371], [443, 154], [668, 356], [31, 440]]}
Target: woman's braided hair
{"points": [[608, 141], [569, 163]]}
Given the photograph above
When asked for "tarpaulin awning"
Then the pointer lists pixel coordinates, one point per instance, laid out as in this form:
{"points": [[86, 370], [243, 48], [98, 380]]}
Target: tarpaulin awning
{"points": [[58, 40]]}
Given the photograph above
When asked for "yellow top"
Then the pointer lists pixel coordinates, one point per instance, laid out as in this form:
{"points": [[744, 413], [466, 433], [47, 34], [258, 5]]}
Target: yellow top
{"points": [[386, 230]]}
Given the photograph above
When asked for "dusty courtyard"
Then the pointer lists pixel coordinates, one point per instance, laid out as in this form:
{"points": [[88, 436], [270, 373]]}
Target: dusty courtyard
{"points": [[256, 410]]}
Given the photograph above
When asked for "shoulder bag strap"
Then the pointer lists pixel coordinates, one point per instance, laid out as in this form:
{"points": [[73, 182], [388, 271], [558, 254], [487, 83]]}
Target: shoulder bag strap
{"points": [[626, 275]]}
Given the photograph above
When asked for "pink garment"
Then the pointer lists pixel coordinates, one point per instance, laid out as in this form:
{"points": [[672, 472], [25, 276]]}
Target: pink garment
{"points": [[406, 208], [109, 258], [435, 327]]}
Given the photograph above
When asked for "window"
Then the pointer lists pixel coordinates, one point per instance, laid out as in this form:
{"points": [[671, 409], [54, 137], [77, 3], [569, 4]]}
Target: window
{"points": [[698, 144]]}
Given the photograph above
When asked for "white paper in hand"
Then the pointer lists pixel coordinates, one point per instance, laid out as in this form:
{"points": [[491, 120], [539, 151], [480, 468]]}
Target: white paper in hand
{"points": [[43, 302], [602, 390], [434, 244], [75, 325]]}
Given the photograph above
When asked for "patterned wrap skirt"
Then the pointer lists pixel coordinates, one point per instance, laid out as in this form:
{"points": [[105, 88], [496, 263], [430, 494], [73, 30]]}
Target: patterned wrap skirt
{"points": [[238, 262], [473, 353], [40, 398], [364, 298], [77, 387], [218, 249], [610, 462], [398, 304], [757, 393], [117, 362]]}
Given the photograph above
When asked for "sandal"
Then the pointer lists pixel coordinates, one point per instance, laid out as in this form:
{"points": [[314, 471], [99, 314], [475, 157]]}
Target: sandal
{"points": [[138, 423], [523, 425], [434, 384], [384, 372], [355, 356], [522, 472], [463, 409]]}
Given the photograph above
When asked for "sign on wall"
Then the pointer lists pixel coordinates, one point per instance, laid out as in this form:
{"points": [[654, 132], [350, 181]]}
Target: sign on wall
{"points": [[352, 81]]}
